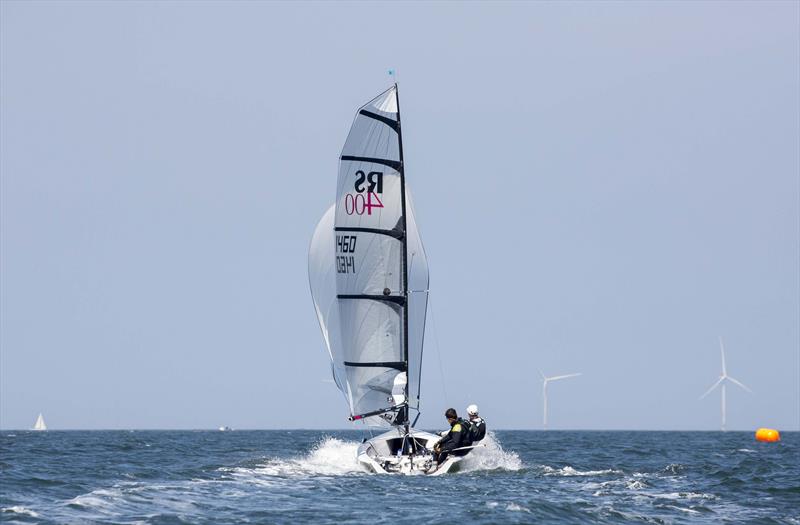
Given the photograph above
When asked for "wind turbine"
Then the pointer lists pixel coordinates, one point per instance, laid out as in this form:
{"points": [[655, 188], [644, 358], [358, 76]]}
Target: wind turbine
{"points": [[544, 391], [722, 381]]}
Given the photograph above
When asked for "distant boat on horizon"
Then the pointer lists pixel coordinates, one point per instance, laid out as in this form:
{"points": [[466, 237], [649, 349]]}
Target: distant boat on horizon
{"points": [[225, 429], [40, 424]]}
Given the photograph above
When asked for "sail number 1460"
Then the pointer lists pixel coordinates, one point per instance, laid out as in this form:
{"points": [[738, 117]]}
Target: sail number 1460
{"points": [[345, 244]]}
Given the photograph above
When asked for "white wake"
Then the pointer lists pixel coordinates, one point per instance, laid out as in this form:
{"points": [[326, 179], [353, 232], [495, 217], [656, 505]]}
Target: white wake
{"points": [[490, 456], [336, 457], [330, 457]]}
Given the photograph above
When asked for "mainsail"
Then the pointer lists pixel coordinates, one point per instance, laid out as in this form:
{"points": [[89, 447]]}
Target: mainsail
{"points": [[369, 274]]}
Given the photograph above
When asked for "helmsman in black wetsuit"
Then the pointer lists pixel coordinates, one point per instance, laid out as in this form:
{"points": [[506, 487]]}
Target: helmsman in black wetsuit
{"points": [[457, 437]]}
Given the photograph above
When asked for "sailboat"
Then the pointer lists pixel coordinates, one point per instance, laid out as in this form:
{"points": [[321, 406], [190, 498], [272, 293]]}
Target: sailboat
{"points": [[368, 275], [39, 425]]}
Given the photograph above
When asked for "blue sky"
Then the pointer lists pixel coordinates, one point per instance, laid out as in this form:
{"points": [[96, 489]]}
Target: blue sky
{"points": [[601, 187]]}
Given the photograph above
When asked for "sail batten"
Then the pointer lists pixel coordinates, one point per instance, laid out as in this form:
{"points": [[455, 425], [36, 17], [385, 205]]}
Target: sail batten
{"points": [[394, 164], [398, 365], [396, 233], [388, 121]]}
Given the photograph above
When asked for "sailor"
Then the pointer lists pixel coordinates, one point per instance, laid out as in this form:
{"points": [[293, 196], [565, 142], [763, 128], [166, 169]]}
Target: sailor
{"points": [[477, 426], [456, 438]]}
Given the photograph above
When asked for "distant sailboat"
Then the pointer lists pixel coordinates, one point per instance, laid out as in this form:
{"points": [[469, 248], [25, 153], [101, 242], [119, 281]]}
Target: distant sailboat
{"points": [[39, 425]]}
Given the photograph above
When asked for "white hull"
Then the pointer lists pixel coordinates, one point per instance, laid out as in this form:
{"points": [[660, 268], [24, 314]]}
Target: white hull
{"points": [[391, 453]]}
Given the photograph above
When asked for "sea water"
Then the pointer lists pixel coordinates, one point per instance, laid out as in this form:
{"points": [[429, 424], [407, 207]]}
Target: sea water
{"points": [[312, 477]]}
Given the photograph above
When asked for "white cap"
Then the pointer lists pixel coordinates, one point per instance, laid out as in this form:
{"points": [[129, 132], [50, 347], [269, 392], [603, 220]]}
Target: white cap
{"points": [[472, 410]]}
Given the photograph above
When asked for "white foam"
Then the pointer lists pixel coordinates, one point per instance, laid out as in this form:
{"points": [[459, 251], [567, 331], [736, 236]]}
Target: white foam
{"points": [[617, 486], [570, 471], [336, 457], [17, 509], [683, 496], [674, 468], [491, 456], [688, 511], [636, 484], [513, 507], [97, 499], [330, 457], [124, 498]]}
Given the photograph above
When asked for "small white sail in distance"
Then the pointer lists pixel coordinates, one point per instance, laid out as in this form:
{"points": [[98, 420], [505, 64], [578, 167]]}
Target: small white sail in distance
{"points": [[40, 424]]}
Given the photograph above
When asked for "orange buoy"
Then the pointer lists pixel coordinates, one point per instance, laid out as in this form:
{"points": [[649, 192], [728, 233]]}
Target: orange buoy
{"points": [[770, 435]]}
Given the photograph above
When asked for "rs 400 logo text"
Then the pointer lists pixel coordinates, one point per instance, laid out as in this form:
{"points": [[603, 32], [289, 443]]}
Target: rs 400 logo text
{"points": [[367, 188]]}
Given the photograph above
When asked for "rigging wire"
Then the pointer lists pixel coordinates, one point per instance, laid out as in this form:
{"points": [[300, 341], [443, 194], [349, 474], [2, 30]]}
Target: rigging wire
{"points": [[438, 350]]}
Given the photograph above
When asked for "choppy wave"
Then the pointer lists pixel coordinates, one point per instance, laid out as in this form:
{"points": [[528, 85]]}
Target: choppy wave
{"points": [[18, 509], [511, 507], [331, 457], [286, 477], [570, 471]]}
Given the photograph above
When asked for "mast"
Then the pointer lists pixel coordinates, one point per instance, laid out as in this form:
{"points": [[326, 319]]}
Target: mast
{"points": [[405, 254]]}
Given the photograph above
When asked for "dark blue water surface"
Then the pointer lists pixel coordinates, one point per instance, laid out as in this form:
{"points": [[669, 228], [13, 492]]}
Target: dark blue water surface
{"points": [[311, 476]]}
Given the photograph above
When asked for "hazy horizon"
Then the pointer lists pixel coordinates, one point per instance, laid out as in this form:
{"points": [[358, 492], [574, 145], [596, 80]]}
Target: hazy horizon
{"points": [[602, 188], [376, 431]]}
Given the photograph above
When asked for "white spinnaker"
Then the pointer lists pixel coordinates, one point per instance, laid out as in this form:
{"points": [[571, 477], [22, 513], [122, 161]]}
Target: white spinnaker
{"points": [[322, 280], [418, 281]]}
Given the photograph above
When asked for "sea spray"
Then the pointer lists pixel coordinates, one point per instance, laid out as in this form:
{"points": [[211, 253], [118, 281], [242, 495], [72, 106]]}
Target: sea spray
{"points": [[490, 456], [336, 457], [329, 457], [332, 457]]}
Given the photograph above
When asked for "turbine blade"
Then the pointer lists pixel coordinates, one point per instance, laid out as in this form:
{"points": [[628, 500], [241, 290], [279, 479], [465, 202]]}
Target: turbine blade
{"points": [[555, 378], [740, 384], [542, 374], [722, 350], [715, 385]]}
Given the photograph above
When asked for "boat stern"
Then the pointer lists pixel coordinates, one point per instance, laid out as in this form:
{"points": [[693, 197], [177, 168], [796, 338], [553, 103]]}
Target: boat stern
{"points": [[394, 452]]}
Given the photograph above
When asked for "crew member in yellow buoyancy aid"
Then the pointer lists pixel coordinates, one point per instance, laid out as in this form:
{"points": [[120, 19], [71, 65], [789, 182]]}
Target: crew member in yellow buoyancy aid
{"points": [[457, 437]]}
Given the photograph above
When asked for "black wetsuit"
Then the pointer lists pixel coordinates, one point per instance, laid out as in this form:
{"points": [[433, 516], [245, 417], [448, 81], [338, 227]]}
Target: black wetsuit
{"points": [[457, 437], [477, 429]]}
